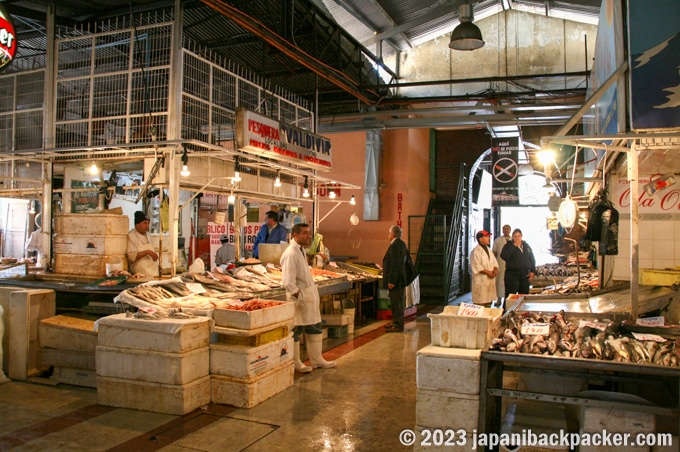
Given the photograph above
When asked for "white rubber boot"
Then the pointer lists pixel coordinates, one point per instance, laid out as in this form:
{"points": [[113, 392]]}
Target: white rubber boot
{"points": [[314, 352], [299, 365]]}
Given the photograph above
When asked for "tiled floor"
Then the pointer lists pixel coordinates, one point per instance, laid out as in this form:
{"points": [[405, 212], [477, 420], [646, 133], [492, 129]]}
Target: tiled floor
{"points": [[362, 405]]}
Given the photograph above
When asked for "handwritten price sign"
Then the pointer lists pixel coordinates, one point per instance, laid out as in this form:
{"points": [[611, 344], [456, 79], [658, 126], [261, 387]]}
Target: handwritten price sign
{"points": [[648, 337], [195, 288], [600, 326], [540, 329], [651, 321], [470, 310]]}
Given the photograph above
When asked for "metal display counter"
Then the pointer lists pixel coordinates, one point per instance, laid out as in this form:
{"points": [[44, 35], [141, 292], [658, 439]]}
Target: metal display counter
{"points": [[660, 385], [596, 373]]}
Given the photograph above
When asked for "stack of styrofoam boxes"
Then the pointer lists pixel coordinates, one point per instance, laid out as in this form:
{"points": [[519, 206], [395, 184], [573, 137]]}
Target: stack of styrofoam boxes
{"points": [[448, 374], [23, 309], [68, 344], [597, 420], [252, 359], [153, 365]]}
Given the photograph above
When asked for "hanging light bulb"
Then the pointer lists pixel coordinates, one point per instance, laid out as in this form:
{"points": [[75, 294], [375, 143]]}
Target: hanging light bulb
{"points": [[331, 193], [277, 182], [93, 169], [305, 193], [231, 199], [185, 164], [237, 177], [352, 200], [31, 207]]}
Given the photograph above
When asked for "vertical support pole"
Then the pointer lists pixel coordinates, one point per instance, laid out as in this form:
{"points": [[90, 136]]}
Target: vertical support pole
{"points": [[634, 230], [49, 140], [174, 130]]}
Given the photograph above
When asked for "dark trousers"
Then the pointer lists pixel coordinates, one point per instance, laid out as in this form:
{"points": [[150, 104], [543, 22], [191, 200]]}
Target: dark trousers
{"points": [[515, 282], [398, 300]]}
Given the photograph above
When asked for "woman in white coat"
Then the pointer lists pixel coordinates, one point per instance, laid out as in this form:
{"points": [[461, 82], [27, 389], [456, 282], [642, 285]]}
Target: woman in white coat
{"points": [[301, 290], [484, 270]]}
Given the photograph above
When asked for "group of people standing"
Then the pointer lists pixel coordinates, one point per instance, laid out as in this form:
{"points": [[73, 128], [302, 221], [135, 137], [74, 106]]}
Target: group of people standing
{"points": [[505, 268]]}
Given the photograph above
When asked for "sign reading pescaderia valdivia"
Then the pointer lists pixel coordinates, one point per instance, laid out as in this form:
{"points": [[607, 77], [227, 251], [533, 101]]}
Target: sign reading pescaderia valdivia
{"points": [[257, 134]]}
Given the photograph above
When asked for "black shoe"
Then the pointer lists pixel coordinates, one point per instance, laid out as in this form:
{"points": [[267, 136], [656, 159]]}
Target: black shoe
{"points": [[393, 329]]}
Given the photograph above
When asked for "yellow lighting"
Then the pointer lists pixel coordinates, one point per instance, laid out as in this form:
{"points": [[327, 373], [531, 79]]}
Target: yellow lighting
{"points": [[331, 193], [546, 157], [93, 169], [237, 177], [352, 201], [231, 198], [277, 182], [305, 193], [185, 171]]}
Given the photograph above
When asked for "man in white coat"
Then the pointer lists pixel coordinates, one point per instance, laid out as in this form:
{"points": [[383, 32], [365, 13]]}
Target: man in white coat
{"points": [[301, 290], [484, 270]]}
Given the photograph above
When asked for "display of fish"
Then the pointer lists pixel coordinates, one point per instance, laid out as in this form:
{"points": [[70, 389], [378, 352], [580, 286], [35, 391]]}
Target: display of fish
{"points": [[580, 339]]}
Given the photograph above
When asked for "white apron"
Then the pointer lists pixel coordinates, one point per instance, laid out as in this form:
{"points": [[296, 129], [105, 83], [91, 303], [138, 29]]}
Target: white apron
{"points": [[146, 265]]}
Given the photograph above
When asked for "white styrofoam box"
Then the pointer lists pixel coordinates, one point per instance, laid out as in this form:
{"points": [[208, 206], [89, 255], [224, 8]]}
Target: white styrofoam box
{"points": [[95, 245], [74, 376], [66, 358], [335, 319], [156, 397], [451, 330], [595, 419], [26, 309], [156, 367], [166, 335], [246, 393], [453, 440], [448, 369], [67, 333], [441, 409], [240, 361], [260, 318], [84, 264], [92, 224]]}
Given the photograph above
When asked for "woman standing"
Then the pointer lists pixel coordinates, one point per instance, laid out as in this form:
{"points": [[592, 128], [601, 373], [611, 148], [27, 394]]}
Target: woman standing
{"points": [[520, 265]]}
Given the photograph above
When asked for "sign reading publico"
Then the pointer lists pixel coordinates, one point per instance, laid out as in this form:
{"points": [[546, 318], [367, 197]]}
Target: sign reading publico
{"points": [[8, 42]]}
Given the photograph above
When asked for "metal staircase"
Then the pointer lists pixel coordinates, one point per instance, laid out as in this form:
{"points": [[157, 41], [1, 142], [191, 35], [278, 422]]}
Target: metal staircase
{"points": [[438, 238]]}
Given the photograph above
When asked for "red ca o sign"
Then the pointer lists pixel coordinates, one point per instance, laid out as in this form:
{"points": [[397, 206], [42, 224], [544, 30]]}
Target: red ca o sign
{"points": [[8, 43]]}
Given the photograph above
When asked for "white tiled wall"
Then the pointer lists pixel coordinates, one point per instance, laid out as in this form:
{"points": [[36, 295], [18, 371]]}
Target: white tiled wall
{"points": [[659, 245]]}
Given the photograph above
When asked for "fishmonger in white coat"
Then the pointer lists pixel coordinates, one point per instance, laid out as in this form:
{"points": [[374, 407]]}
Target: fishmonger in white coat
{"points": [[484, 270], [301, 290]]}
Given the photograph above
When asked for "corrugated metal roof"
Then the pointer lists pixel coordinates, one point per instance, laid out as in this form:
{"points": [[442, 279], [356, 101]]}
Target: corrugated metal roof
{"points": [[345, 53]]}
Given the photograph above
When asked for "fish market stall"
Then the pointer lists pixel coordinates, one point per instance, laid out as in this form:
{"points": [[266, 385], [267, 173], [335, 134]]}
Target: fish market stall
{"points": [[579, 354]]}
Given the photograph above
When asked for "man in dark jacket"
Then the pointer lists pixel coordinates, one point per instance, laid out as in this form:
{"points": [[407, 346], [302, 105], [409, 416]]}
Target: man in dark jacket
{"points": [[520, 265], [394, 278]]}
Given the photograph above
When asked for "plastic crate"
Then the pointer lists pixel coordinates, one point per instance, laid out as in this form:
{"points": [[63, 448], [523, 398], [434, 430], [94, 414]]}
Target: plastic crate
{"points": [[338, 331], [451, 330], [383, 314]]}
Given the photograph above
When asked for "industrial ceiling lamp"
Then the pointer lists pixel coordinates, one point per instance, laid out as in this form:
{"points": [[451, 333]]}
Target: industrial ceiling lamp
{"points": [[466, 36]]}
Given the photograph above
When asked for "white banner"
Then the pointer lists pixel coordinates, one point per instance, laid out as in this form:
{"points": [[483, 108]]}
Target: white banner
{"points": [[665, 200]]}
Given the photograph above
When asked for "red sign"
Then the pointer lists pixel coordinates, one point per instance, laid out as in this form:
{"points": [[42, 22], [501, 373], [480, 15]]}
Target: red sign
{"points": [[8, 42]]}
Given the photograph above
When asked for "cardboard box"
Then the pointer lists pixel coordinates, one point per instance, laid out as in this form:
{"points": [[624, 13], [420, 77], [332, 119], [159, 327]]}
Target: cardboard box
{"points": [[166, 335], [156, 397], [260, 318], [92, 224], [451, 330]]}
